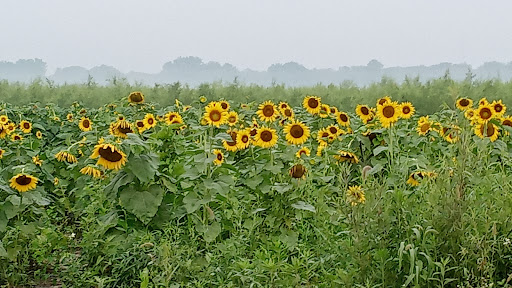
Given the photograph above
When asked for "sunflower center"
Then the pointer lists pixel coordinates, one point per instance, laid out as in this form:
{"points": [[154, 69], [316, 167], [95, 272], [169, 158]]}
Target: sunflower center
{"points": [[215, 115], [297, 171], [26, 125], [507, 123], [224, 105], [333, 110], [125, 130], [245, 138], [140, 124], [382, 101], [365, 111], [489, 131], [284, 106], [171, 117], [86, 123], [313, 103], [333, 130], [253, 132], [266, 136], [233, 139], [23, 180], [406, 109], [17, 137], [219, 157], [109, 155], [425, 127], [302, 152], [485, 113], [464, 102], [325, 134], [136, 97], [498, 108], [343, 117], [232, 119], [287, 113], [296, 131], [388, 111], [151, 121], [268, 111]]}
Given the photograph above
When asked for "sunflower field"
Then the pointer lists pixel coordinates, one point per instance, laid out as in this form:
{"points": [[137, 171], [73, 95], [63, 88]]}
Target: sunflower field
{"points": [[256, 194]]}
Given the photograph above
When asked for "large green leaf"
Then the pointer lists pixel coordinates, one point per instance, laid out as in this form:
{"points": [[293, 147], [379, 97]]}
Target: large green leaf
{"points": [[143, 166], [3, 253], [143, 204]]}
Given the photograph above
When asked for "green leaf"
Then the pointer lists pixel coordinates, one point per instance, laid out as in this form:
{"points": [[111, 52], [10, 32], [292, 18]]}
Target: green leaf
{"points": [[143, 204], [3, 253], [379, 149], [212, 232], [192, 202], [253, 182], [3, 221], [301, 205], [121, 179], [143, 166]]}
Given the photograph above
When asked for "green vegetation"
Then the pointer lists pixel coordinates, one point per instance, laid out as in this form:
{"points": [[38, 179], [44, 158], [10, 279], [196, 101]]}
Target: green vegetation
{"points": [[432, 210]]}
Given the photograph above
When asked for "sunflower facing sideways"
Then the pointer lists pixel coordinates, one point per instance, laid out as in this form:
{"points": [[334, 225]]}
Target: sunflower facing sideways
{"points": [[39, 135], [346, 156], [65, 156], [85, 124], [488, 130], [136, 97], [232, 145], [109, 155], [243, 139], [464, 103], [296, 132], [25, 126], [173, 118], [312, 104], [298, 171], [91, 171], [219, 157], [265, 137], [23, 182], [267, 111], [2, 151], [506, 122], [121, 128], [140, 126], [388, 113], [214, 114]]}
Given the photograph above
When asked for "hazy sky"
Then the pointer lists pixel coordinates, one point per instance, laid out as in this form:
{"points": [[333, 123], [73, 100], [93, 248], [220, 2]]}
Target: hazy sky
{"points": [[142, 35]]}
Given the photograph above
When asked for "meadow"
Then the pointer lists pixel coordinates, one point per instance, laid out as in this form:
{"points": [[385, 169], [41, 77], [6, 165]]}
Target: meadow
{"points": [[390, 185]]}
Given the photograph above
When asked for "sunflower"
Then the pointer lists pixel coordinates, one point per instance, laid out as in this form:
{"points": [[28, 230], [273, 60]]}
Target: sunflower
{"points": [[322, 135], [333, 110], [136, 97], [321, 146], [424, 125], [121, 128], [219, 157], [16, 137], [11, 127], [490, 130], [312, 104], [91, 171], [265, 137], [288, 113], [232, 145], [296, 132], [85, 124], [140, 126], [407, 110], [499, 108], [416, 177], [243, 138], [383, 100], [3, 131], [303, 151], [343, 119], [25, 126], [267, 111], [23, 182], [65, 156], [37, 161], [173, 118], [324, 111], [464, 103], [484, 113], [507, 121], [232, 118], [355, 195], [224, 105], [388, 113], [483, 101], [202, 99], [298, 171], [364, 112], [109, 155], [334, 130], [470, 115], [346, 156], [4, 119], [2, 151], [69, 117], [149, 121], [282, 106], [39, 135], [215, 115], [450, 134]]}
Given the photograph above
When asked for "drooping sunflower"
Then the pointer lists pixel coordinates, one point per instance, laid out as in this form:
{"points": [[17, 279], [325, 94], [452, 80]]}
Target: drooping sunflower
{"points": [[303, 151], [296, 132], [65, 156], [224, 105], [109, 155], [140, 126], [383, 100], [507, 121], [215, 115], [388, 113], [243, 139], [298, 171], [4, 119], [23, 182], [232, 118], [16, 137], [136, 97], [37, 161], [464, 103], [265, 137], [288, 113], [232, 145], [91, 171], [149, 121], [312, 104], [364, 112], [219, 157], [324, 111], [484, 113], [406, 110], [343, 119], [416, 177], [173, 118], [489, 130], [39, 135], [346, 156], [85, 124], [355, 195], [267, 111], [25, 126], [499, 108], [121, 128], [450, 134]]}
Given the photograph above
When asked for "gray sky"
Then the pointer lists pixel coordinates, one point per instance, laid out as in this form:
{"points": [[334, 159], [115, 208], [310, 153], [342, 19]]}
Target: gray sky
{"points": [[142, 35]]}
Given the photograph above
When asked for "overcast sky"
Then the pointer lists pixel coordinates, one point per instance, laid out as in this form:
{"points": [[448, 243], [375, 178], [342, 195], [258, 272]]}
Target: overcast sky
{"points": [[142, 35]]}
